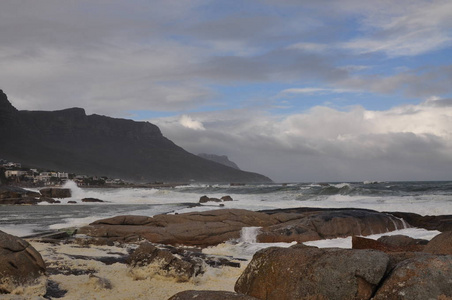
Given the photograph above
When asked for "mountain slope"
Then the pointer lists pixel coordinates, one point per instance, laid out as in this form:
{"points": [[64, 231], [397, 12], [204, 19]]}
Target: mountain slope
{"points": [[72, 141], [221, 159]]}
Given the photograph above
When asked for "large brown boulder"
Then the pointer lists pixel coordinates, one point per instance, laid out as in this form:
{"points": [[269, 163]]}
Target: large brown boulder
{"points": [[20, 264], [419, 278], [302, 272], [210, 295], [440, 244], [56, 192]]}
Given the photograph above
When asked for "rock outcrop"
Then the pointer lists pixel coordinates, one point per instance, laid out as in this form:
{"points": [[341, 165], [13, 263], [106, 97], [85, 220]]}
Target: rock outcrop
{"points": [[197, 228], [16, 195], [72, 141], [20, 265], [213, 227], [303, 225]]}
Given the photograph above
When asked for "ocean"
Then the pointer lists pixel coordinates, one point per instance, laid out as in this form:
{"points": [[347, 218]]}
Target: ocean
{"points": [[424, 198]]}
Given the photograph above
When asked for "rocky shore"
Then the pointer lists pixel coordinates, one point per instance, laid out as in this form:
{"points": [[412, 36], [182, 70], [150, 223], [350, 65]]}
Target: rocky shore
{"points": [[179, 257]]}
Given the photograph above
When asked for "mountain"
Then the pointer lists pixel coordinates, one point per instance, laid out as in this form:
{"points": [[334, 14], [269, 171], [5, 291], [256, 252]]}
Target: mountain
{"points": [[71, 141], [221, 159]]}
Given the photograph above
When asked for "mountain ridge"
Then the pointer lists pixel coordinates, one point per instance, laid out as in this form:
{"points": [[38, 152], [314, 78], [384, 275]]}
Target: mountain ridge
{"points": [[72, 141]]}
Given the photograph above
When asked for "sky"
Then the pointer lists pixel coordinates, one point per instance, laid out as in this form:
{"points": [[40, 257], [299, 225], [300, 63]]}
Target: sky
{"points": [[300, 91]]}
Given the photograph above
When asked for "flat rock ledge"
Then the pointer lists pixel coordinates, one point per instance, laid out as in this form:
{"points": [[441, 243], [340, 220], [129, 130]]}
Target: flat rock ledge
{"points": [[210, 228]]}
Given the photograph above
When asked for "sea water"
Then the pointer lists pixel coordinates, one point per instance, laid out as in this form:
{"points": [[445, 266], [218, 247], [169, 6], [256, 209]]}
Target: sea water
{"points": [[424, 198]]}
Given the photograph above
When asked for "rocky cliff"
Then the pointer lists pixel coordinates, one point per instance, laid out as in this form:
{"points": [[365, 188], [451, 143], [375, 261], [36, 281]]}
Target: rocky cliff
{"points": [[72, 141]]}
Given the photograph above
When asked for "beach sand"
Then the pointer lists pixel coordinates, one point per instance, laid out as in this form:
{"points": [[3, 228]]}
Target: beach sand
{"points": [[75, 272]]}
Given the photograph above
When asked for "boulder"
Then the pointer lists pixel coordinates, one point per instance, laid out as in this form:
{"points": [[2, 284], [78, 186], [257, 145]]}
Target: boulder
{"points": [[205, 199], [210, 295], [440, 244], [226, 198], [302, 272], [56, 192], [148, 260], [20, 265], [419, 278], [92, 200]]}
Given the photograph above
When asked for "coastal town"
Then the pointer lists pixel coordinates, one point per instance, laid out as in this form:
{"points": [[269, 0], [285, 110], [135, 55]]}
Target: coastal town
{"points": [[16, 174]]}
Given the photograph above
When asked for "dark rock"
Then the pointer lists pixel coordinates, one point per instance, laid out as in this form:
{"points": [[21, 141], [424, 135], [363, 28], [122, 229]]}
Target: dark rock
{"points": [[56, 192], [399, 240], [20, 263], [302, 272], [210, 295], [15, 195], [363, 243], [419, 278], [440, 244], [72, 202], [205, 199], [48, 200], [226, 198], [165, 263], [93, 200], [20, 201]]}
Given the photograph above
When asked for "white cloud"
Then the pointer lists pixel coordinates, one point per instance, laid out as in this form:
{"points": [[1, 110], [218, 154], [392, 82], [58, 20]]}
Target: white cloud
{"points": [[313, 90], [190, 123]]}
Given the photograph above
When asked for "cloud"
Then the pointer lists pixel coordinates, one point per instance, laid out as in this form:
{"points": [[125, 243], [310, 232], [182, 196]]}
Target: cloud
{"points": [[312, 90], [188, 122], [404, 29], [411, 142]]}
